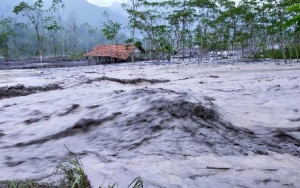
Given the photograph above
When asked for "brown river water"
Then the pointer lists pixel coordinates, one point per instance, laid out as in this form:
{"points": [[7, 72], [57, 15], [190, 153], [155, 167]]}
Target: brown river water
{"points": [[174, 125]]}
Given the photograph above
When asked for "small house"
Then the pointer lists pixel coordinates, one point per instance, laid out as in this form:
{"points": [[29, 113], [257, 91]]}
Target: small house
{"points": [[116, 53]]}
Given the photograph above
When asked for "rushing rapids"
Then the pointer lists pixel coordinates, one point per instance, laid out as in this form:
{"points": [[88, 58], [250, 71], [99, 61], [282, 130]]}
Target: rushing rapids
{"points": [[174, 127]]}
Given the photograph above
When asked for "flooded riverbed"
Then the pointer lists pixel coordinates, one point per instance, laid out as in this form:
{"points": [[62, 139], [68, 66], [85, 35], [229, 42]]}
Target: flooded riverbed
{"points": [[174, 125]]}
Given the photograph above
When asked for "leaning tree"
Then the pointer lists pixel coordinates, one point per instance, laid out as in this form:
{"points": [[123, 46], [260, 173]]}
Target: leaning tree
{"points": [[34, 13]]}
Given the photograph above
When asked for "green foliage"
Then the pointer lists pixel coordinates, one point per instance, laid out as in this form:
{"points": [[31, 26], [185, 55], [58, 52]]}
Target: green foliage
{"points": [[110, 29], [295, 19], [137, 183], [74, 178], [34, 14], [166, 27], [53, 28], [30, 10], [138, 43], [57, 5], [25, 184], [53, 25], [169, 50], [129, 41], [21, 7], [5, 32], [258, 55], [74, 175]]}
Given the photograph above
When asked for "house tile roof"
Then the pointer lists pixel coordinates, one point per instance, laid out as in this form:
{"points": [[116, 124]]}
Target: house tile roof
{"points": [[116, 51]]}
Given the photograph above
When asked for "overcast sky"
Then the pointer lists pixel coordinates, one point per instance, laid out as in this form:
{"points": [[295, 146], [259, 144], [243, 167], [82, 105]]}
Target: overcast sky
{"points": [[103, 3]]}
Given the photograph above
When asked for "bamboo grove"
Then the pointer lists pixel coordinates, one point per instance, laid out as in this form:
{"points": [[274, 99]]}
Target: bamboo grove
{"points": [[192, 28]]}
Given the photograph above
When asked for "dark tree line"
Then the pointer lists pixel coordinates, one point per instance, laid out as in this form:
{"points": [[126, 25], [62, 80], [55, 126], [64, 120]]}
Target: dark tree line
{"points": [[186, 28], [192, 28]]}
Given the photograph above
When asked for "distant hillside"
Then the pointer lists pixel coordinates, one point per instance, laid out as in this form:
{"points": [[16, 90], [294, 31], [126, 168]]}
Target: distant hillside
{"points": [[86, 12], [7, 6], [91, 13], [117, 7]]}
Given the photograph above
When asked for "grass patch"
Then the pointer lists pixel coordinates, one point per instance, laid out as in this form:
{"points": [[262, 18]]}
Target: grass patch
{"points": [[25, 184], [73, 177]]}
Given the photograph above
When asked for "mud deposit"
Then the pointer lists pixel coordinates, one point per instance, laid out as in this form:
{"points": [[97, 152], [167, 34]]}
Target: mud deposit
{"points": [[21, 90], [176, 125]]}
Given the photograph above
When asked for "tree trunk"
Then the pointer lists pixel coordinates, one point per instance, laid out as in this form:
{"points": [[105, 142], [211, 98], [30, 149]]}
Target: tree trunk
{"points": [[282, 48], [40, 45], [296, 44], [55, 48], [132, 55]]}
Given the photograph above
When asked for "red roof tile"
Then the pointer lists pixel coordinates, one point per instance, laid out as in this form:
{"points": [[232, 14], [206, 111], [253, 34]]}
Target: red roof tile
{"points": [[116, 51]]}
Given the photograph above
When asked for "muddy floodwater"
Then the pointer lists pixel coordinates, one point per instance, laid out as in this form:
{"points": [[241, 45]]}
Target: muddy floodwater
{"points": [[184, 125]]}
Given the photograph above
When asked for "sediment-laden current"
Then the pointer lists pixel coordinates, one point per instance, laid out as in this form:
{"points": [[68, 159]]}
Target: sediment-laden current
{"points": [[171, 126]]}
